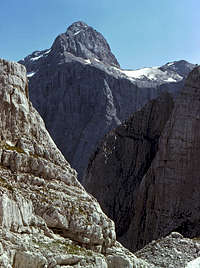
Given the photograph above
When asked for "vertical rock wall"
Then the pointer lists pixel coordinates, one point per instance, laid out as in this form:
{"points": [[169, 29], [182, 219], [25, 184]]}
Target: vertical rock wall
{"points": [[146, 173]]}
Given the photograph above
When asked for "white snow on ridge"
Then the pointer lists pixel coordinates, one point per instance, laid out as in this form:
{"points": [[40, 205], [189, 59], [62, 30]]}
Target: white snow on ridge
{"points": [[170, 63], [47, 52], [97, 60], [30, 74], [153, 74], [170, 79], [77, 32], [36, 58], [88, 61], [148, 72], [40, 56]]}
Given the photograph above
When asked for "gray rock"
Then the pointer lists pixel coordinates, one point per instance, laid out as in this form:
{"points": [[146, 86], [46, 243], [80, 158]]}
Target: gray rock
{"points": [[116, 169], [119, 261], [182, 67], [156, 187], [29, 260]]}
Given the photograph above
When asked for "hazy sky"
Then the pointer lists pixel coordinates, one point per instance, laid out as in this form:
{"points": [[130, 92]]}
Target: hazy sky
{"points": [[141, 33]]}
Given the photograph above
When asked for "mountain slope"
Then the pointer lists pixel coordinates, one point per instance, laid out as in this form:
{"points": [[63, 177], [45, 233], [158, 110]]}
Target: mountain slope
{"points": [[81, 93], [154, 187]]}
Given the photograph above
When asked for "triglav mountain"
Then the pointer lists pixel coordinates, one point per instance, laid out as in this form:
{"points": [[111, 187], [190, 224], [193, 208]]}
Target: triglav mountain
{"points": [[81, 93]]}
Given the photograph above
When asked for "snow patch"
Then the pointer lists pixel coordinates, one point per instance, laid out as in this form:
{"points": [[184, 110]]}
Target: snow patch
{"points": [[40, 56], [77, 32], [170, 79], [96, 60], [36, 58], [150, 73], [170, 63], [153, 74], [47, 52], [88, 61], [30, 74]]}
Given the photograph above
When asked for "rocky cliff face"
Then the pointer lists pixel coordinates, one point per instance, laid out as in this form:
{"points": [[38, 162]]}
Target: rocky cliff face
{"points": [[46, 217], [171, 185], [81, 93], [159, 191], [116, 169]]}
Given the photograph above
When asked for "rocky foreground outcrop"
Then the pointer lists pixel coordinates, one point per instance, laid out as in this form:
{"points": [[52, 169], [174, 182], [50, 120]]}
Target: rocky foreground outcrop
{"points": [[46, 217], [81, 93], [150, 169]]}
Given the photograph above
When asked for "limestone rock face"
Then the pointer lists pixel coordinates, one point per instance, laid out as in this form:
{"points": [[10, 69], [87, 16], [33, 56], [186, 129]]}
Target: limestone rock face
{"points": [[81, 93], [117, 167], [46, 217], [156, 186]]}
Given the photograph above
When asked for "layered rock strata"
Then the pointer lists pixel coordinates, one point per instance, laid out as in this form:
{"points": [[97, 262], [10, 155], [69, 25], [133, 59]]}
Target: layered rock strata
{"points": [[46, 217], [158, 192], [81, 93]]}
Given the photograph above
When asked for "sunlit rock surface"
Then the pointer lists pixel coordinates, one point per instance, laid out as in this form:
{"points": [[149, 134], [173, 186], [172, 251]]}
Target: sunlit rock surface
{"points": [[47, 219]]}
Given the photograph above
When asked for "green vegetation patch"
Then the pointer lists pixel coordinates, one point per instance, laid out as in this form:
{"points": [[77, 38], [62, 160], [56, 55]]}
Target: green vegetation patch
{"points": [[34, 155], [65, 247], [5, 184], [13, 148]]}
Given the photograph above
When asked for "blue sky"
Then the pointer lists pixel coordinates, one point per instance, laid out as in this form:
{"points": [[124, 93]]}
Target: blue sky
{"points": [[140, 33]]}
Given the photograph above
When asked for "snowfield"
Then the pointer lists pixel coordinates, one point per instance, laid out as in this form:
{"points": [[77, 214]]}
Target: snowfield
{"points": [[153, 73]]}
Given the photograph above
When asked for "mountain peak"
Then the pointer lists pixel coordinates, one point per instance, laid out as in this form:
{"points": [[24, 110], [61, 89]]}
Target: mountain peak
{"points": [[181, 67], [76, 26], [83, 41]]}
